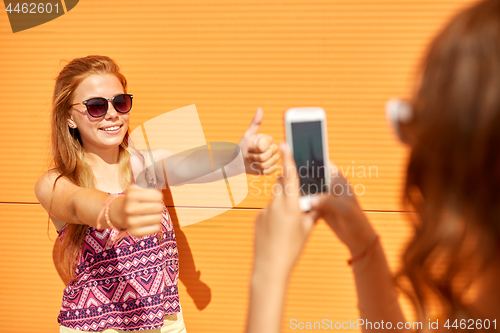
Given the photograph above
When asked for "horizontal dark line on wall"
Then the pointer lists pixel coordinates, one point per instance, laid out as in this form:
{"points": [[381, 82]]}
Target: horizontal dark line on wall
{"points": [[237, 208], [18, 203]]}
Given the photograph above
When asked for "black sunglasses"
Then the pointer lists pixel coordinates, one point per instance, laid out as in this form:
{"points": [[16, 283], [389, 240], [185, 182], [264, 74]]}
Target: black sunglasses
{"points": [[98, 106]]}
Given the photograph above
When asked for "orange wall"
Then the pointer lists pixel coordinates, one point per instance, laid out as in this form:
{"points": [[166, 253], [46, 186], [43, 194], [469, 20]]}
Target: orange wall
{"points": [[227, 57]]}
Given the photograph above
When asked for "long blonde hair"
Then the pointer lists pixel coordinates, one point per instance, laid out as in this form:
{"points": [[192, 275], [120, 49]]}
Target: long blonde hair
{"points": [[67, 149]]}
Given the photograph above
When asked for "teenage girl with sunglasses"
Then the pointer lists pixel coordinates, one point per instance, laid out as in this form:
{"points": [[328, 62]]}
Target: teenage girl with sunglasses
{"points": [[451, 266], [117, 239]]}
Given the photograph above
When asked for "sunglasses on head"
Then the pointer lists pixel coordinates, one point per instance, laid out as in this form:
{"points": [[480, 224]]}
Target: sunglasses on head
{"points": [[98, 106]]}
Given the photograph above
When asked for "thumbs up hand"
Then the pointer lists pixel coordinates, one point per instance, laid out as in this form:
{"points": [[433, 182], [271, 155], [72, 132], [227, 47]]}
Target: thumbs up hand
{"points": [[259, 151], [142, 210]]}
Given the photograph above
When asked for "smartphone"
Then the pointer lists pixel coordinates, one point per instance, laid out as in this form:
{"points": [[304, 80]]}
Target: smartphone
{"points": [[305, 131]]}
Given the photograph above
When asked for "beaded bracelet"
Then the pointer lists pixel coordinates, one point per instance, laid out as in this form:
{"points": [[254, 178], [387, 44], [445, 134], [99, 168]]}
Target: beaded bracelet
{"points": [[365, 252], [105, 211]]}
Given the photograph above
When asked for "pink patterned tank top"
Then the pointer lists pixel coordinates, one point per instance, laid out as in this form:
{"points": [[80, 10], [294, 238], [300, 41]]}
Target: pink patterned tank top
{"points": [[129, 284]]}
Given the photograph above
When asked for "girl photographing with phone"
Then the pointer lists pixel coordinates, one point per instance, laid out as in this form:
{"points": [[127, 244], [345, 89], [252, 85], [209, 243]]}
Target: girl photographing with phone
{"points": [[451, 266], [118, 246]]}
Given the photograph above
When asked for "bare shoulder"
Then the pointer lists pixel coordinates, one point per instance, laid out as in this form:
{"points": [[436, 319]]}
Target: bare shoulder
{"points": [[141, 160], [46, 182], [160, 154]]}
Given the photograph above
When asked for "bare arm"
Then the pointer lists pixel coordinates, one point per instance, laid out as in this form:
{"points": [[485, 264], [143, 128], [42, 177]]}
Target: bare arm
{"points": [[204, 164], [139, 211], [376, 291], [281, 231], [377, 295], [267, 298], [73, 204], [198, 165]]}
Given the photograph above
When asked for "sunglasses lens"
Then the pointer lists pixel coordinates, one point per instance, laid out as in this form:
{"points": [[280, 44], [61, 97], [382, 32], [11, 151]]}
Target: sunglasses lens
{"points": [[122, 103], [97, 106]]}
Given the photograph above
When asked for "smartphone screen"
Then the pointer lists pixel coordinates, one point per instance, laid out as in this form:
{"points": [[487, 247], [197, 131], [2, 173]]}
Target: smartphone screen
{"points": [[307, 141]]}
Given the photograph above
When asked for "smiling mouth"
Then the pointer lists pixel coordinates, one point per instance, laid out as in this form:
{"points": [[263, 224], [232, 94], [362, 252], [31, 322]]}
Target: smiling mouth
{"points": [[110, 129]]}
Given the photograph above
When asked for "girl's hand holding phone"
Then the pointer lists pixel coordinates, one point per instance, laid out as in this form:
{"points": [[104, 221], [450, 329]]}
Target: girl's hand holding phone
{"points": [[343, 214], [306, 132]]}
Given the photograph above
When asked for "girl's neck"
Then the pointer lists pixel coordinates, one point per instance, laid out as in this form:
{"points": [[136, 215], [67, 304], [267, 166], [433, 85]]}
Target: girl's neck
{"points": [[106, 169], [102, 158]]}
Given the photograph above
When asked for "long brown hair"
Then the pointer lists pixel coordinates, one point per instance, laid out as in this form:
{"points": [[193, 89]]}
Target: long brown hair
{"points": [[453, 176], [67, 149]]}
